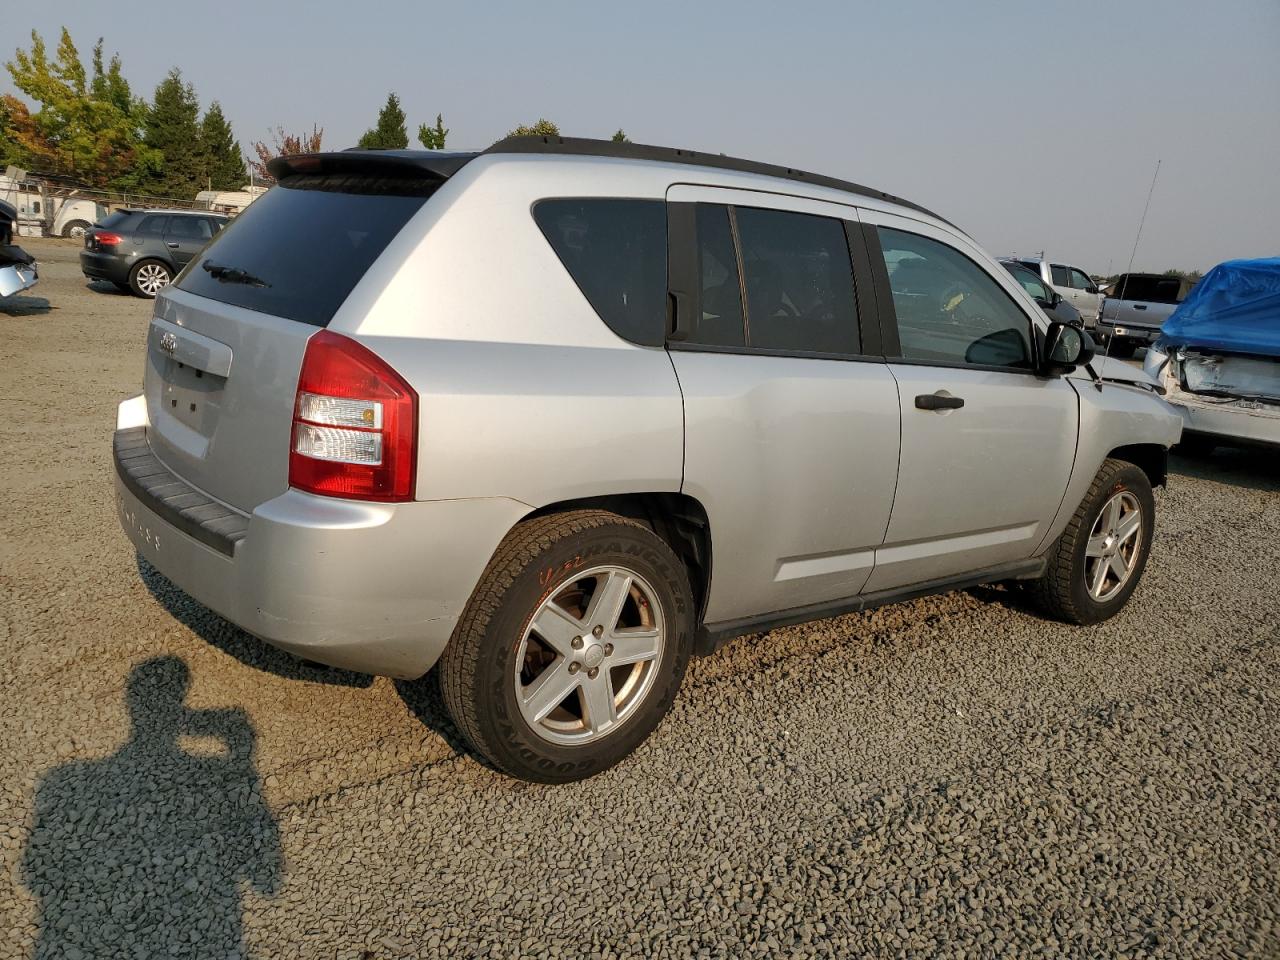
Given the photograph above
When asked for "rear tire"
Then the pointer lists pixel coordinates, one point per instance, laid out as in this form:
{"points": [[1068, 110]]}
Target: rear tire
{"points": [[1195, 446], [75, 229], [529, 682], [1095, 565], [149, 277]]}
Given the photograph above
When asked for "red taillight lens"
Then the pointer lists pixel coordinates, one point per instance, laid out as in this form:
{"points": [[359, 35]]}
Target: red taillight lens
{"points": [[106, 239], [355, 424]]}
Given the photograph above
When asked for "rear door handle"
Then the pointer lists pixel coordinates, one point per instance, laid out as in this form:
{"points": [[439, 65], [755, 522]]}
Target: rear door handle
{"points": [[1139, 306], [938, 401], [171, 245]]}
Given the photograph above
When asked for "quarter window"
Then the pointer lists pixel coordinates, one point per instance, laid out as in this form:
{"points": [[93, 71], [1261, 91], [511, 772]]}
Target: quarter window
{"points": [[949, 309], [616, 252]]}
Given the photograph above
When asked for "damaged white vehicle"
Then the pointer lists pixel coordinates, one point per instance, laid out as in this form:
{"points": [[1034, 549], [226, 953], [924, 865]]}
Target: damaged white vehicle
{"points": [[1218, 357], [17, 267]]}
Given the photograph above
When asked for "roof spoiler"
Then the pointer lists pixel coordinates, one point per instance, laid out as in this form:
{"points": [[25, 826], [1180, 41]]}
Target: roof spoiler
{"points": [[388, 163], [583, 147]]}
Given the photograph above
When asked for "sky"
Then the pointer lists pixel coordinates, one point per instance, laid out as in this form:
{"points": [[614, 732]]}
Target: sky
{"points": [[1033, 126]]}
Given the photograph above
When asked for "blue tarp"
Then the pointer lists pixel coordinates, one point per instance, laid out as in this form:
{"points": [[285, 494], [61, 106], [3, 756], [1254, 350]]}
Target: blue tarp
{"points": [[1234, 308]]}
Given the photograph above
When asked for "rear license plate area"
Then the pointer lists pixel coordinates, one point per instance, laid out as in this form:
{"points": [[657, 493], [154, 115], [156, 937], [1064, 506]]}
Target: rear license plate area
{"points": [[191, 396]]}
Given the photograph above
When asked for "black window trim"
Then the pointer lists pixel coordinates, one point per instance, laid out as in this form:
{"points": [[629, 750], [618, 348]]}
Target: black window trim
{"points": [[889, 313], [685, 290]]}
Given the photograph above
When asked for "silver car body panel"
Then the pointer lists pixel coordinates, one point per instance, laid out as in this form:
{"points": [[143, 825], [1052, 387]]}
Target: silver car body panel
{"points": [[527, 400]]}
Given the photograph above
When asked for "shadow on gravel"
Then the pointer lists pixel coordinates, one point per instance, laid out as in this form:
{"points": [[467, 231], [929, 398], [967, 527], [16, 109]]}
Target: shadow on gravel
{"points": [[143, 853], [426, 703], [107, 287], [24, 306], [233, 641], [1255, 469]]}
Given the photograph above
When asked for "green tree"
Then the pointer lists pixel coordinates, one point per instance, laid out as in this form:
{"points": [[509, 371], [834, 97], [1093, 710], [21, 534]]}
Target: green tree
{"points": [[172, 130], [539, 128], [390, 133], [620, 137], [432, 138], [224, 163], [82, 127]]}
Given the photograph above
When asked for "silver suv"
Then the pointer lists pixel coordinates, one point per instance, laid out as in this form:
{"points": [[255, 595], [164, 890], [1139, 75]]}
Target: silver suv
{"points": [[561, 414]]}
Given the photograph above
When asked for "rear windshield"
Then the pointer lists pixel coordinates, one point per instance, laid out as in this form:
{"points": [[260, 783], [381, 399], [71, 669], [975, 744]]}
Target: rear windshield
{"points": [[113, 219], [1149, 289], [299, 249]]}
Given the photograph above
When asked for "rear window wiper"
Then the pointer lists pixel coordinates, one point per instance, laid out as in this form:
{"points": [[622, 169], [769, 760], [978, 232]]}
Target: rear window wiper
{"points": [[227, 274]]}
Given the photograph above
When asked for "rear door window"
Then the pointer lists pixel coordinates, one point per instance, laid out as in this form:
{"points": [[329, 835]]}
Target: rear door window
{"points": [[1060, 274], [616, 251], [152, 225], [720, 321], [798, 280], [306, 243], [189, 228]]}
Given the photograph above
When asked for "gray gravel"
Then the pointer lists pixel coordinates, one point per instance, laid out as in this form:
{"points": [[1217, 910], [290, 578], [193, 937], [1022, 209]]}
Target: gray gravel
{"points": [[948, 777]]}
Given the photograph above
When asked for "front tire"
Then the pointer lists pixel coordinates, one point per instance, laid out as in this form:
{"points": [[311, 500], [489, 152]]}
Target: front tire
{"points": [[75, 229], [1096, 564], [572, 647], [148, 278]]}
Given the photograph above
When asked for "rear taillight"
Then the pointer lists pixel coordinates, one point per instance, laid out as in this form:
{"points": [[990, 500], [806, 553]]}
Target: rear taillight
{"points": [[355, 424], [105, 239]]}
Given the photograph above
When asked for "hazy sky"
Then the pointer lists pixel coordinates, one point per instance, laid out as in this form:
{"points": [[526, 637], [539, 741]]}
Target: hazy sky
{"points": [[1031, 125]]}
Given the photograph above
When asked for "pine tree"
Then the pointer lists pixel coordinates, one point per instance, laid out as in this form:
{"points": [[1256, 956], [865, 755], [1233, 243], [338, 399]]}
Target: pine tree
{"points": [[432, 138], [224, 164], [620, 137], [173, 130], [390, 133]]}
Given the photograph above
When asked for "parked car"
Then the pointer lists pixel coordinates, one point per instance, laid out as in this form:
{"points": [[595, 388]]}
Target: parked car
{"points": [[1072, 282], [563, 413], [141, 251], [1218, 357], [1054, 304], [1137, 305]]}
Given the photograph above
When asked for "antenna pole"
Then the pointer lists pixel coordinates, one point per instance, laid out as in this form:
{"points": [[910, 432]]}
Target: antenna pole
{"points": [[1134, 252]]}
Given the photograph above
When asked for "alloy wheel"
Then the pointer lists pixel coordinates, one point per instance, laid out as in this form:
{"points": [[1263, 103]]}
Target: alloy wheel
{"points": [[152, 278], [1114, 544], [589, 655]]}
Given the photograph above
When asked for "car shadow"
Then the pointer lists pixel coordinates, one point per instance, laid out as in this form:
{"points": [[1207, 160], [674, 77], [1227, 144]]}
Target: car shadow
{"points": [[144, 853], [1254, 468], [107, 287], [231, 640], [426, 702], [20, 306]]}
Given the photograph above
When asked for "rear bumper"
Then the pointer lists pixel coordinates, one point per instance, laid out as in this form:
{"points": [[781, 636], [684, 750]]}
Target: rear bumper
{"points": [[105, 266], [375, 588], [1124, 331]]}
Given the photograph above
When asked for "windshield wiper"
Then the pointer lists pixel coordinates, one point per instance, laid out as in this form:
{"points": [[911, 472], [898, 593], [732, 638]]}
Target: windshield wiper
{"points": [[227, 274]]}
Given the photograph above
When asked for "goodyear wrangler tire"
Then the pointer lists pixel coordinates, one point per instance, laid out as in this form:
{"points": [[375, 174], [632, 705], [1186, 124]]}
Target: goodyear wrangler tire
{"points": [[572, 646]]}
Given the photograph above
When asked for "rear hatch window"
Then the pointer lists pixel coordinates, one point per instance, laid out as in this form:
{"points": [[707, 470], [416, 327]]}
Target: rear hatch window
{"points": [[1149, 289], [298, 250]]}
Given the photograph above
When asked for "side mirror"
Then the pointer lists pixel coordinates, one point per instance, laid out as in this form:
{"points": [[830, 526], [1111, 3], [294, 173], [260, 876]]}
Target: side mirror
{"points": [[1064, 348], [1057, 298]]}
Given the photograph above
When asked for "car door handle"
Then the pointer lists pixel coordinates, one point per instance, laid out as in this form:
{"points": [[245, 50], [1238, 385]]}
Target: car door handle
{"points": [[1139, 306], [938, 401]]}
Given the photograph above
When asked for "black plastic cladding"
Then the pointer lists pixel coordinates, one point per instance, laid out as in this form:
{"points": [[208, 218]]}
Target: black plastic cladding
{"points": [[442, 164]]}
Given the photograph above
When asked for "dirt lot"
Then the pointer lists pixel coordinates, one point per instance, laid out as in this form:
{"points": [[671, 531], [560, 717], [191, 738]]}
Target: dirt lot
{"points": [[948, 777]]}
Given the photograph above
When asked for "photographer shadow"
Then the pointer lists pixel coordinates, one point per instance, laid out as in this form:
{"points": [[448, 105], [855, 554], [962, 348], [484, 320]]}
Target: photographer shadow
{"points": [[144, 853]]}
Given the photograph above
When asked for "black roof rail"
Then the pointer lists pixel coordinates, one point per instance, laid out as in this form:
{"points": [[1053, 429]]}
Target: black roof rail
{"points": [[583, 147]]}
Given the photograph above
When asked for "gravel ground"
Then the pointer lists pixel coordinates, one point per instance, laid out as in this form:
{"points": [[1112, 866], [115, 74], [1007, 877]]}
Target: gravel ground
{"points": [[947, 777]]}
